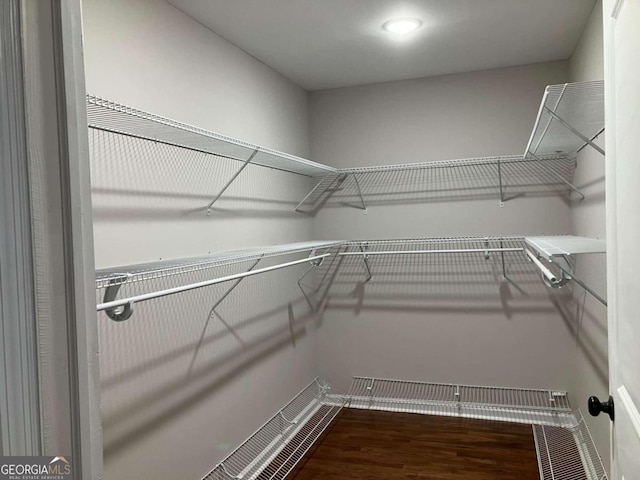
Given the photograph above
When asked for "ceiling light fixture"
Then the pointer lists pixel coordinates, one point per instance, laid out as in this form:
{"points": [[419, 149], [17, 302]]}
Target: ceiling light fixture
{"points": [[400, 26]]}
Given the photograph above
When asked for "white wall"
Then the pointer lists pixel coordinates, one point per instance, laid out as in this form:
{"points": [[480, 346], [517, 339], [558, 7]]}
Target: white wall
{"points": [[460, 327], [149, 55], [591, 375], [173, 407]]}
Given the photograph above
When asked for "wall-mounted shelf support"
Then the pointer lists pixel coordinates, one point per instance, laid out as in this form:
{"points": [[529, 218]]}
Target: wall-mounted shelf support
{"points": [[500, 183], [315, 261], [213, 312], [364, 205], [365, 260], [228, 184], [557, 250], [559, 177], [232, 287], [567, 125], [123, 312], [322, 180], [567, 269]]}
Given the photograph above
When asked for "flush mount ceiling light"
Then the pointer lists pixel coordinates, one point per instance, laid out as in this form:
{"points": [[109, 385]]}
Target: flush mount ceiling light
{"points": [[401, 26]]}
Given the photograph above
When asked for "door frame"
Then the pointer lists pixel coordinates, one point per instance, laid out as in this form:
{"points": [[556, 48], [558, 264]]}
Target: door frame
{"points": [[49, 121]]}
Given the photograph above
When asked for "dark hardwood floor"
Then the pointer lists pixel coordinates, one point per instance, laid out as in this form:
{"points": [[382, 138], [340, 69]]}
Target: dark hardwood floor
{"points": [[370, 445]]}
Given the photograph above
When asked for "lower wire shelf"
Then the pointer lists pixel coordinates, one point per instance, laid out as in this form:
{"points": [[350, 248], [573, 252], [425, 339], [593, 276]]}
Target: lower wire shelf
{"points": [[276, 447], [564, 446], [568, 453]]}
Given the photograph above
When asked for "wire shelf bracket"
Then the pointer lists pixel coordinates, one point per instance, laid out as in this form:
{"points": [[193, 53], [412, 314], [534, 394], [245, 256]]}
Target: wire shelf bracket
{"points": [[228, 184], [314, 263], [558, 250]]}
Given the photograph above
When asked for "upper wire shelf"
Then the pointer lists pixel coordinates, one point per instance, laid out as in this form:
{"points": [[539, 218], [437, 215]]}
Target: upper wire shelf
{"points": [[107, 277], [504, 177], [570, 117], [114, 117]]}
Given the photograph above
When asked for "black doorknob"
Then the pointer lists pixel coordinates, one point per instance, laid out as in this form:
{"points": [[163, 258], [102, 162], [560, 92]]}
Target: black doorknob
{"points": [[596, 406]]}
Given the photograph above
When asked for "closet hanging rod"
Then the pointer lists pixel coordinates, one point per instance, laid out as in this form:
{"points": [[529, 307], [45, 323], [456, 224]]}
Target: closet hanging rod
{"points": [[545, 271], [420, 252], [130, 301]]}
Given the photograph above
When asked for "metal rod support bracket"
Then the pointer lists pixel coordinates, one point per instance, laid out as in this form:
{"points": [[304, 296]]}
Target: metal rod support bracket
{"points": [[558, 176], [228, 184], [568, 126], [124, 312]]}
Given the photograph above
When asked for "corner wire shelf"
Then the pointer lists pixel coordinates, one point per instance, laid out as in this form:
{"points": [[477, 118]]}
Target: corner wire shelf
{"points": [[558, 250], [276, 447], [112, 279], [564, 445], [571, 116], [502, 177], [568, 453], [568, 112], [117, 118]]}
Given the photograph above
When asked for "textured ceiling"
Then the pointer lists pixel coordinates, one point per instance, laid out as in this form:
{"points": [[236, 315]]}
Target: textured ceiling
{"points": [[323, 44]]}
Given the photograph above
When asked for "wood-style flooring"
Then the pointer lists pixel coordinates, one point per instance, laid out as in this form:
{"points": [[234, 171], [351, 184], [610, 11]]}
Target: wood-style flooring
{"points": [[371, 445]]}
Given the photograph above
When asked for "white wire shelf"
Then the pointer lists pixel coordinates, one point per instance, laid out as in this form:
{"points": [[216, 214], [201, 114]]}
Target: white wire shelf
{"points": [[570, 117], [276, 447], [530, 406], [114, 117], [559, 245], [568, 453], [112, 279], [107, 277], [563, 443], [503, 177]]}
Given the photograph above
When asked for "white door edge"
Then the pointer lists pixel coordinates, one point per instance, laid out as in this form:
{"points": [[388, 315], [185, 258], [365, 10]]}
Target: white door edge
{"points": [[630, 407]]}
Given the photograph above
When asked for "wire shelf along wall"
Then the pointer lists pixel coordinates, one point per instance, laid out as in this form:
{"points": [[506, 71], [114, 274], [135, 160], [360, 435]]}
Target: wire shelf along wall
{"points": [[112, 279], [412, 270], [531, 406], [109, 116], [504, 178], [571, 116], [558, 250], [276, 447], [568, 453], [441, 263]]}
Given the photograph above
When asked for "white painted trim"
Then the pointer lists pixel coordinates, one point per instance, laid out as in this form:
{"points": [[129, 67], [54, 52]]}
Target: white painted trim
{"points": [[630, 407]]}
